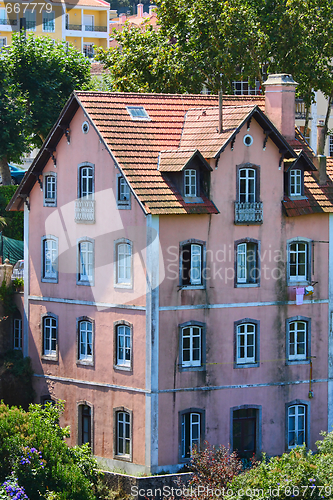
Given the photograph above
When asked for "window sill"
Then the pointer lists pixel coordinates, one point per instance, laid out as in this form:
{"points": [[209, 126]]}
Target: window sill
{"points": [[298, 283], [46, 357], [193, 199], [49, 280], [127, 286], [297, 197], [191, 368], [50, 204], [85, 283], [247, 365], [122, 205], [297, 362], [247, 285], [85, 362], [123, 458], [191, 287], [122, 368]]}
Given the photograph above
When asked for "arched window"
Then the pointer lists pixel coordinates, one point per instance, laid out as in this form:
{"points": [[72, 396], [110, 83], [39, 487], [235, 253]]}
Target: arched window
{"points": [[50, 335], [123, 263], [85, 340]]}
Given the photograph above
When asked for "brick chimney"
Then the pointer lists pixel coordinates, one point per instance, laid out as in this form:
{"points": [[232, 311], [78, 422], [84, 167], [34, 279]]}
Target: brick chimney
{"points": [[140, 10], [280, 103], [122, 18]]}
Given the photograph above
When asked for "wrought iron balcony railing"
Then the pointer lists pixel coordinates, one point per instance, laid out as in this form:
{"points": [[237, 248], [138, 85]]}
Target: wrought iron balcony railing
{"points": [[248, 212], [85, 211]]}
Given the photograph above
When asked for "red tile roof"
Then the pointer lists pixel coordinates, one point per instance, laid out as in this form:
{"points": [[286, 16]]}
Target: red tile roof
{"points": [[136, 144]]}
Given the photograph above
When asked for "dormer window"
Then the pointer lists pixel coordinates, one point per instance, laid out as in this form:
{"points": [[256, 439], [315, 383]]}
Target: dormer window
{"points": [[190, 177], [296, 182], [123, 193]]}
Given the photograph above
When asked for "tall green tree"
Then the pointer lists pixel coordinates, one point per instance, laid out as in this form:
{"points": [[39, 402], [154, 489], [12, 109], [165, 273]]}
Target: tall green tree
{"points": [[145, 60], [37, 76]]}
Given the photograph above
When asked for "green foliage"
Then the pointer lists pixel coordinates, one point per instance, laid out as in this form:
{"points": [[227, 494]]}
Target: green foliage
{"points": [[146, 61], [14, 220], [299, 474], [47, 72], [32, 446], [16, 379], [6, 297], [18, 284]]}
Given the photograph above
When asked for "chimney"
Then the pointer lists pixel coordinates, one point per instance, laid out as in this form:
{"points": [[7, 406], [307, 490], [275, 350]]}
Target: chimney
{"points": [[152, 9], [320, 159], [140, 10], [122, 18], [280, 103]]}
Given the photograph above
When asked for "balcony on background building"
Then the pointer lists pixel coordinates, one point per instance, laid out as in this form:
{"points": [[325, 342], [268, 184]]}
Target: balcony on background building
{"points": [[8, 22], [85, 211], [86, 27], [74, 27], [300, 109], [248, 212]]}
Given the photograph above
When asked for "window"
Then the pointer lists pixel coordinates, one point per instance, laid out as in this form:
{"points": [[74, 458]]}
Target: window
{"points": [[123, 343], [50, 259], [88, 49], [295, 182], [298, 339], [50, 189], [192, 345], [89, 22], [123, 193], [86, 182], [191, 263], [190, 179], [85, 263], [245, 434], [30, 17], [297, 425], [299, 261], [138, 113], [3, 16], [246, 343], [48, 21], [247, 185], [123, 434], [17, 333], [123, 263], [50, 336], [191, 431], [247, 262], [85, 331], [331, 146], [84, 423], [244, 88], [3, 41]]}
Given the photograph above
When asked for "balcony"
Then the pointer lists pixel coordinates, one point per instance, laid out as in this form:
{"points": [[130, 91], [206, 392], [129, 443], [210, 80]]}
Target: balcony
{"points": [[86, 27], [300, 109], [8, 22], [248, 212], [85, 211]]}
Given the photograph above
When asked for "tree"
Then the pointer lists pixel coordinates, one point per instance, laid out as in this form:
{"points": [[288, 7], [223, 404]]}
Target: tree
{"points": [[37, 77], [34, 456], [146, 61]]}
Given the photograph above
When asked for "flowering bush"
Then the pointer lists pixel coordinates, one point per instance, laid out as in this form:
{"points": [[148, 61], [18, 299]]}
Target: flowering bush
{"points": [[11, 489]]}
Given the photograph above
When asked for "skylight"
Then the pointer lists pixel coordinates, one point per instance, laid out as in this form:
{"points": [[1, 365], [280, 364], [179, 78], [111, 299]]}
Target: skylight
{"points": [[138, 113]]}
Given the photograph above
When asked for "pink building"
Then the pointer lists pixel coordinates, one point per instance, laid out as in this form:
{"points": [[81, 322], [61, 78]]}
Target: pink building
{"points": [[177, 286]]}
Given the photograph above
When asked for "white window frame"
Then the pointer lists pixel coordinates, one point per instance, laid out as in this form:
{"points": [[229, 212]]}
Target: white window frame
{"points": [[86, 182], [250, 329], [17, 333], [190, 183], [294, 413], [123, 434], [191, 431], [196, 274], [249, 194], [195, 333], [4, 41], [123, 267], [124, 333], [242, 259], [88, 53], [85, 341], [297, 252], [123, 193], [50, 335], [86, 261], [50, 181], [297, 329], [48, 21], [50, 259], [295, 182]]}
